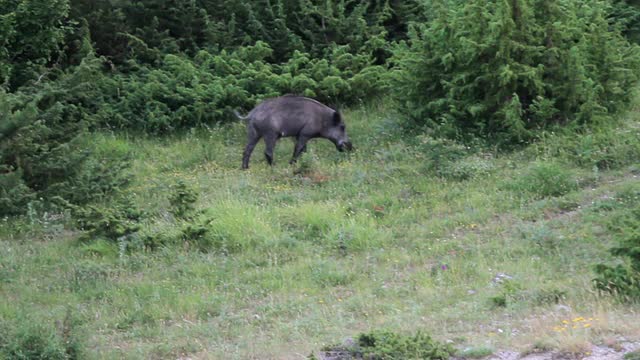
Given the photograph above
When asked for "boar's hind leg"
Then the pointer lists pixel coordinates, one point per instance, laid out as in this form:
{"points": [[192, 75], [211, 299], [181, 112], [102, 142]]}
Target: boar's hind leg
{"points": [[301, 146], [270, 144], [252, 140]]}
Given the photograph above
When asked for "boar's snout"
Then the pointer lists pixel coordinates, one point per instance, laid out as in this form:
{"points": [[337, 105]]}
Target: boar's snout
{"points": [[344, 145]]}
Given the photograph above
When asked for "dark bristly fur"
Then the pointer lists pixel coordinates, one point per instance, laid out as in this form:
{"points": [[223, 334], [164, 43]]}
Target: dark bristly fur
{"points": [[292, 116]]}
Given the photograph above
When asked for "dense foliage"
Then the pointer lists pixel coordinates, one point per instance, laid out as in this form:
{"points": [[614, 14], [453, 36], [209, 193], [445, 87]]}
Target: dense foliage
{"points": [[69, 66], [626, 13], [43, 150], [87, 85], [129, 33], [623, 279], [507, 68], [28, 337], [459, 69], [182, 92]]}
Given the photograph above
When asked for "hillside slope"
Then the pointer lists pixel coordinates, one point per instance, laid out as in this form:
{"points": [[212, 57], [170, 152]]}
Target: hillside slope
{"points": [[477, 248]]}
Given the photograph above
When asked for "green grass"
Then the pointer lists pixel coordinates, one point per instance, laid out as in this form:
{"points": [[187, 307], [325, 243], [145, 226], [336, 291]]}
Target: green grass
{"points": [[632, 355], [475, 352], [292, 258]]}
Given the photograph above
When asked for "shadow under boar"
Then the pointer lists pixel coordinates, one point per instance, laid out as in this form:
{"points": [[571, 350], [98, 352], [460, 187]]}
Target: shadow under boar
{"points": [[292, 116]]}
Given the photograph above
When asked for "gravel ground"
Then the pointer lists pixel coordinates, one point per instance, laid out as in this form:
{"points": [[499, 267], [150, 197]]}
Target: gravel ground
{"points": [[597, 353]]}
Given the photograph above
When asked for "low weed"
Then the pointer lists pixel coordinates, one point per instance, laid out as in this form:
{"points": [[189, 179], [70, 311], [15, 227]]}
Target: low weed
{"points": [[30, 338], [467, 168], [393, 346], [542, 238], [88, 275], [539, 346], [438, 155], [574, 348], [475, 352], [307, 165], [623, 279], [102, 248], [610, 146], [509, 293], [228, 228], [544, 179], [634, 355], [329, 274], [312, 221], [357, 234], [548, 296]]}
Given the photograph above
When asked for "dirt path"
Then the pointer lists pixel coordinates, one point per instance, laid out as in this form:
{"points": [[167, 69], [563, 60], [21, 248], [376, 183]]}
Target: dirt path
{"points": [[597, 353]]}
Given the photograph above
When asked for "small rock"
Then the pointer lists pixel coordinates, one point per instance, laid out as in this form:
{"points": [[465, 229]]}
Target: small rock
{"points": [[501, 277], [349, 342], [562, 308]]}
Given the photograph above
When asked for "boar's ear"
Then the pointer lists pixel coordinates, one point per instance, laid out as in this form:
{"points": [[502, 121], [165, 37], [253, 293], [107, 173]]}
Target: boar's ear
{"points": [[337, 118]]}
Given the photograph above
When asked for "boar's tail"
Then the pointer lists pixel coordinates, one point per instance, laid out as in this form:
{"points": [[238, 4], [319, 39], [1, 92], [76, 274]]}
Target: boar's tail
{"points": [[237, 114]]}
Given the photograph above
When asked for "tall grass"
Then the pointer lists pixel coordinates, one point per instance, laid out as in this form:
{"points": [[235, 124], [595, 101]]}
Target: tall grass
{"points": [[485, 250]]}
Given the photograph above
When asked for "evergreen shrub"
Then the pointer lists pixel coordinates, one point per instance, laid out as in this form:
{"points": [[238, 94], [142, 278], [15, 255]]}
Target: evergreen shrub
{"points": [[389, 345], [45, 150], [626, 13], [623, 279], [182, 92], [31, 338], [117, 221], [505, 69]]}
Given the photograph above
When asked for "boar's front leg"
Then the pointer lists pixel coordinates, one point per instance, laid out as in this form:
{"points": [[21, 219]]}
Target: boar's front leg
{"points": [[301, 146]]}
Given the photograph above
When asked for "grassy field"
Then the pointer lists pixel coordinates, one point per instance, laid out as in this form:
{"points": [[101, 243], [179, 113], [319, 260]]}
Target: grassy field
{"points": [[480, 249]]}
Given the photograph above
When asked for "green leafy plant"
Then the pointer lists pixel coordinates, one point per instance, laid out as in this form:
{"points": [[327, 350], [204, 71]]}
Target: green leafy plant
{"points": [[623, 280], [390, 345], [626, 13], [467, 168], [544, 179], [182, 200], [14, 193], [439, 154], [30, 338], [46, 151], [228, 228], [505, 69], [115, 222], [182, 92], [32, 36], [602, 147], [475, 352], [634, 355], [509, 293]]}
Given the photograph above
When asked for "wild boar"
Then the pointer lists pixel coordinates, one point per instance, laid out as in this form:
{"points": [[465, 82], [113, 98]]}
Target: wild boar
{"points": [[292, 116]]}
